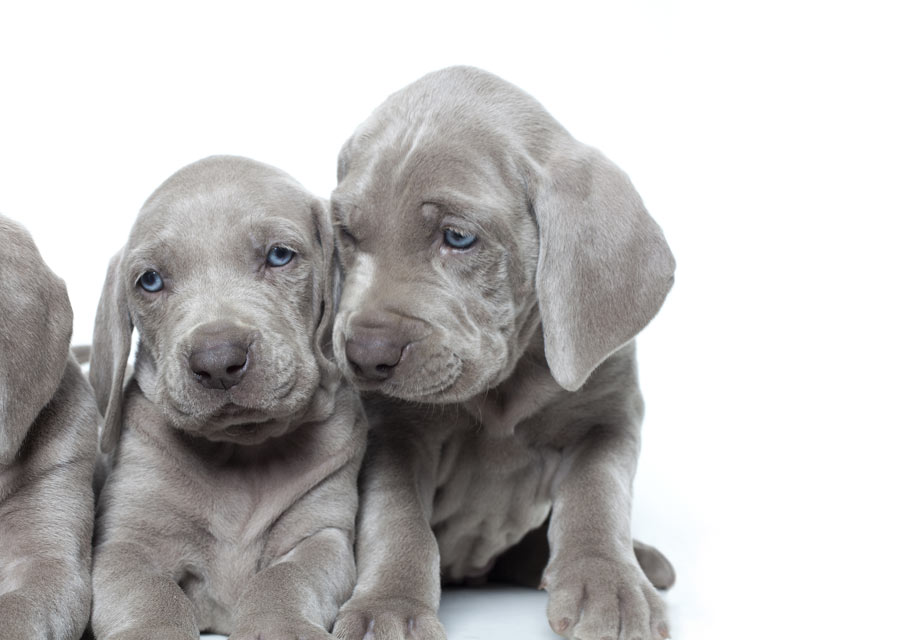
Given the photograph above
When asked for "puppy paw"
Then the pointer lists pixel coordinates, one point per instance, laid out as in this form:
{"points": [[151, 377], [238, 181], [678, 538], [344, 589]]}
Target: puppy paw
{"points": [[157, 633], [279, 629], [19, 617], [594, 598], [387, 620]]}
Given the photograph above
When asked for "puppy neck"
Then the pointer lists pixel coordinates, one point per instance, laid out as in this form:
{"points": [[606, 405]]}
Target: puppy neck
{"points": [[528, 389]]}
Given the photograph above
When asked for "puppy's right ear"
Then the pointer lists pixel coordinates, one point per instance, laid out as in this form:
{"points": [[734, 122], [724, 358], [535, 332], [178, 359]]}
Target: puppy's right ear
{"points": [[325, 287], [35, 328], [111, 347]]}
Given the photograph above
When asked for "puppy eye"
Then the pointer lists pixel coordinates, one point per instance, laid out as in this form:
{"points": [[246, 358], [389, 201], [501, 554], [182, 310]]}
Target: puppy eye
{"points": [[458, 239], [151, 281], [279, 256]]}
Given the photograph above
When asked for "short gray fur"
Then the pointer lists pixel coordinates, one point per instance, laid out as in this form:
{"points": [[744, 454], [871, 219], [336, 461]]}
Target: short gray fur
{"points": [[500, 380], [48, 425], [230, 507]]}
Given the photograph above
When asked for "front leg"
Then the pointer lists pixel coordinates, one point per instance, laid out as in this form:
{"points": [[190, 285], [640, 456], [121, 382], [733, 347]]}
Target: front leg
{"points": [[597, 590], [133, 600], [297, 597], [399, 584], [53, 601]]}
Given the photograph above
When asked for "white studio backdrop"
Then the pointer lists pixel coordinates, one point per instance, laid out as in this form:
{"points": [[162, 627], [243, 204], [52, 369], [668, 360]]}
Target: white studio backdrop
{"points": [[776, 144]]}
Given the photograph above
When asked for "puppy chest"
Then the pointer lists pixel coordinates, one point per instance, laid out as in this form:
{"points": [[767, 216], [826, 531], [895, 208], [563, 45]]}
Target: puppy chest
{"points": [[240, 543], [490, 493], [215, 585]]}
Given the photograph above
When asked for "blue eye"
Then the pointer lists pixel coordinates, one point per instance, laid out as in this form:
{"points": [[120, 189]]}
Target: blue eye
{"points": [[457, 239], [151, 281], [279, 256]]}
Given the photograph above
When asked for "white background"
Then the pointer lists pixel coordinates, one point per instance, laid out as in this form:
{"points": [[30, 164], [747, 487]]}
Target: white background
{"points": [[777, 146]]}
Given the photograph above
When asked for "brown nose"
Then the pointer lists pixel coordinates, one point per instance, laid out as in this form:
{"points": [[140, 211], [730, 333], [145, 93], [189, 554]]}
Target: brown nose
{"points": [[219, 356], [374, 353]]}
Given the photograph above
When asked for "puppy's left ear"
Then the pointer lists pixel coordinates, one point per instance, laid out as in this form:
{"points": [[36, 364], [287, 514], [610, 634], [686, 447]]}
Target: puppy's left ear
{"points": [[325, 285], [34, 336], [111, 348], [604, 267]]}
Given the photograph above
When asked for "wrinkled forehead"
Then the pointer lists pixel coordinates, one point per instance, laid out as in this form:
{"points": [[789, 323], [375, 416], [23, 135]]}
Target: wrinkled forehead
{"points": [[429, 164], [229, 213]]}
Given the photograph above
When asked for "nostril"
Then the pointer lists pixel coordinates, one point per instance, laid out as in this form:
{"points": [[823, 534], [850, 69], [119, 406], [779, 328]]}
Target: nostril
{"points": [[238, 369], [374, 354], [219, 365]]}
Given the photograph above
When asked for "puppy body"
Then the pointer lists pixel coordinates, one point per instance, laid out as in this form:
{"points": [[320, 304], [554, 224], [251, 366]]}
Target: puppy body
{"points": [[496, 273], [231, 503], [47, 448], [251, 537]]}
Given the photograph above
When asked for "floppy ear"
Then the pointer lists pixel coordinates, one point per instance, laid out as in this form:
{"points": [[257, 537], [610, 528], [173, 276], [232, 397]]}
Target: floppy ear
{"points": [[34, 336], [604, 267], [324, 287], [111, 347]]}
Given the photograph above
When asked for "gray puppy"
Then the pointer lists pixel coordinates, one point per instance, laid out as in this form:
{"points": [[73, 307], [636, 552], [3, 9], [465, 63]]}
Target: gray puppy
{"points": [[48, 425], [231, 503], [496, 272]]}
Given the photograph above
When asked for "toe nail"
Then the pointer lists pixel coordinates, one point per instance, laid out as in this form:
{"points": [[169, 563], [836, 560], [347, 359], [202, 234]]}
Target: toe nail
{"points": [[561, 625], [663, 630]]}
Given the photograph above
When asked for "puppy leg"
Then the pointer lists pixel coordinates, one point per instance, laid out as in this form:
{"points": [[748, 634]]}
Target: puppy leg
{"points": [[132, 600], [297, 598], [597, 590], [523, 563], [53, 602], [399, 586], [45, 531]]}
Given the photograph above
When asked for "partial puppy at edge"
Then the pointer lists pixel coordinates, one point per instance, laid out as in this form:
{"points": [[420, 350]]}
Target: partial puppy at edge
{"points": [[48, 426], [496, 273], [231, 503]]}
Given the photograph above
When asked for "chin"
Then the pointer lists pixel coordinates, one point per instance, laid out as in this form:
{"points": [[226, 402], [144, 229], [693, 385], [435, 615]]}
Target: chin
{"points": [[248, 433]]}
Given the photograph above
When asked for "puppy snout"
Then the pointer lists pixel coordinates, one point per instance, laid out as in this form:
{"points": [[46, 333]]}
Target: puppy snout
{"points": [[373, 353], [219, 357]]}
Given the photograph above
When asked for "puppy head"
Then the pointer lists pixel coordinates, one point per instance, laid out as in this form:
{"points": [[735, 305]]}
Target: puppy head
{"points": [[468, 220], [35, 326], [224, 276]]}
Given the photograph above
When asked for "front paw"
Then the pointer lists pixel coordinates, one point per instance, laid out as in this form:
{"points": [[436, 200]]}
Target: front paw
{"points": [[151, 633], [275, 628], [593, 598], [19, 617], [387, 619]]}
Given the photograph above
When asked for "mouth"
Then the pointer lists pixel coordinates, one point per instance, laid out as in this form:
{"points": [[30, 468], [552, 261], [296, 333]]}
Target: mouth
{"points": [[250, 433], [243, 429], [236, 419], [230, 411], [406, 390]]}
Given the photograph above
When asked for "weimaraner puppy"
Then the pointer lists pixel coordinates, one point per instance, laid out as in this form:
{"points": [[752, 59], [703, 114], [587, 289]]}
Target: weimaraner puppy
{"points": [[48, 425], [231, 502], [496, 273]]}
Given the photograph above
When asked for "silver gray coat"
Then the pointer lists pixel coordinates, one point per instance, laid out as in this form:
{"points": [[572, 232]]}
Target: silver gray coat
{"points": [[48, 424], [496, 273], [231, 502]]}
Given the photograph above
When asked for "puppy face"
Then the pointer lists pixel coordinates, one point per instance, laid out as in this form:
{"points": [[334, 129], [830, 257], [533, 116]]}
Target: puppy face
{"points": [[223, 276], [439, 256], [468, 221]]}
